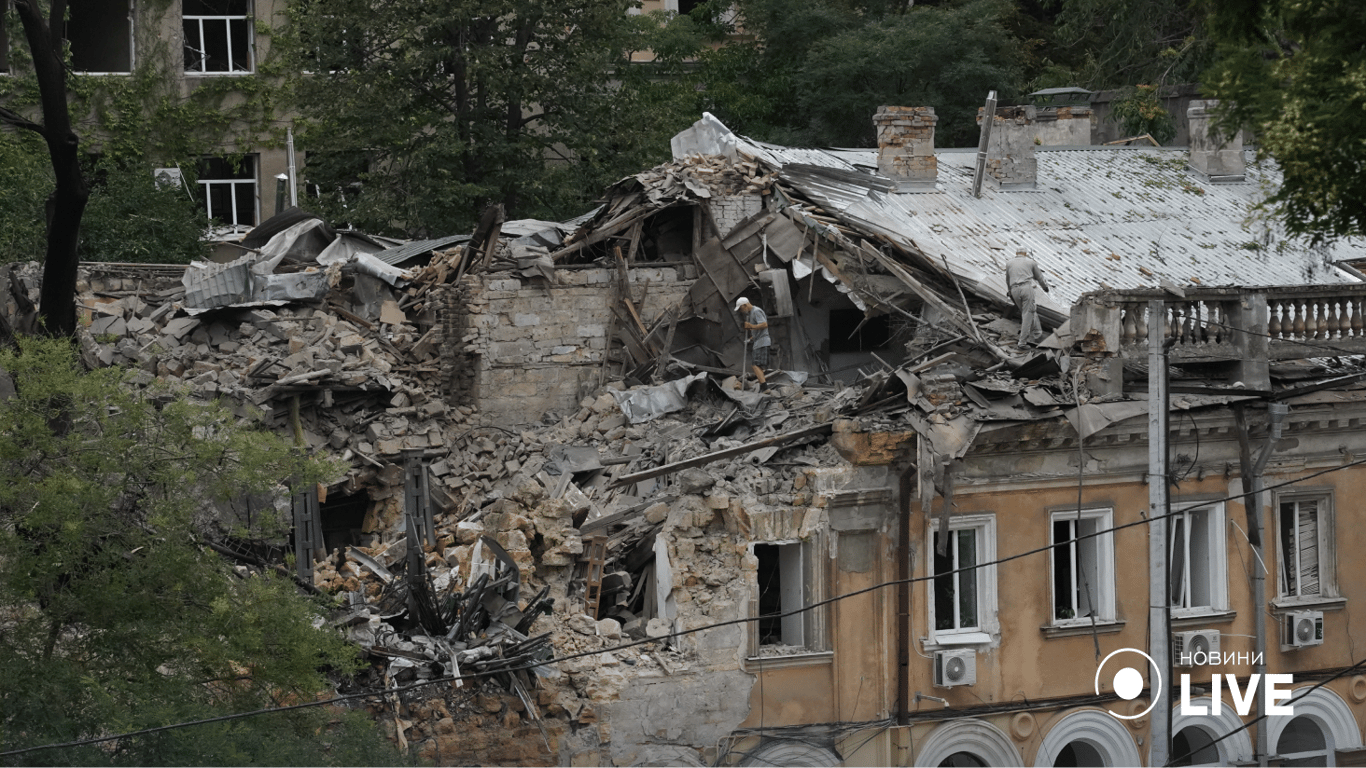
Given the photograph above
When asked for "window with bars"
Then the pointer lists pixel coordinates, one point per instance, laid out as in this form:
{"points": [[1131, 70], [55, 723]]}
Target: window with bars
{"points": [[1303, 547], [228, 190], [218, 36], [1196, 559], [1083, 566]]}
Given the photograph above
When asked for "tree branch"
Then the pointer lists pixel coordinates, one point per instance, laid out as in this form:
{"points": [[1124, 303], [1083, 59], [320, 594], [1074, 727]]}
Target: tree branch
{"points": [[17, 120]]}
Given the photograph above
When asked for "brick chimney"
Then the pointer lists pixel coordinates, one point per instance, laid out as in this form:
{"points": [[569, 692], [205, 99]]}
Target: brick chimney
{"points": [[905, 147], [1213, 156], [1010, 150]]}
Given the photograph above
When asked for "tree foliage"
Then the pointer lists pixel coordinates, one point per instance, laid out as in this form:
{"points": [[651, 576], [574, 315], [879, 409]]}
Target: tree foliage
{"points": [[430, 111], [116, 617], [815, 71], [1128, 42], [1295, 73]]}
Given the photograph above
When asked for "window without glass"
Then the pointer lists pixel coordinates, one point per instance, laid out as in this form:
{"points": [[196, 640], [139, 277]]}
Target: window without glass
{"points": [[218, 36], [956, 594], [228, 190], [1195, 558], [1083, 566], [789, 579], [1303, 546], [101, 35], [852, 331]]}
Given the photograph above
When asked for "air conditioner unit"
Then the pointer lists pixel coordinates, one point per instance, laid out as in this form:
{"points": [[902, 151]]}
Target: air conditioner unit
{"points": [[1185, 646], [1302, 629], [955, 668]]}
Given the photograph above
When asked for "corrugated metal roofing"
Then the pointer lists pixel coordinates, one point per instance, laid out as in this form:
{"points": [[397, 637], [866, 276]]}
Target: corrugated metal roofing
{"points": [[1115, 217], [399, 254]]}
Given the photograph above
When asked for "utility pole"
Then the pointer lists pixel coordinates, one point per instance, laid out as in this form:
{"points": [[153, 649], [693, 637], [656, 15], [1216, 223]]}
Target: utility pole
{"points": [[1159, 617]]}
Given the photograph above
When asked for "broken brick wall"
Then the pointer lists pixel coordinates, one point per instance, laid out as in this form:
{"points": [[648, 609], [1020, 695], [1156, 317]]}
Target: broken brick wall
{"points": [[533, 347]]}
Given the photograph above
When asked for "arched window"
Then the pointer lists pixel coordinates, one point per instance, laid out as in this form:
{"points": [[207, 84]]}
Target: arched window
{"points": [[1303, 742], [962, 760], [1194, 745], [1076, 753]]}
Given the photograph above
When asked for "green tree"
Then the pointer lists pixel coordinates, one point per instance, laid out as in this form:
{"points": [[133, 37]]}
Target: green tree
{"points": [[116, 615], [816, 70], [1295, 73], [1129, 42], [118, 128], [427, 112]]}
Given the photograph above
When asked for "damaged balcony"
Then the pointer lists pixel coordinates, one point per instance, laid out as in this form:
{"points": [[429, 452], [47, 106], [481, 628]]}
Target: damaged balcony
{"points": [[1238, 330]]}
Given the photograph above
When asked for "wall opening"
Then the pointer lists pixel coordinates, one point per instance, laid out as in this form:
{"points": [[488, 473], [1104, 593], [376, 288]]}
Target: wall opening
{"points": [[218, 36], [343, 520], [101, 35], [228, 189], [851, 331], [780, 592]]}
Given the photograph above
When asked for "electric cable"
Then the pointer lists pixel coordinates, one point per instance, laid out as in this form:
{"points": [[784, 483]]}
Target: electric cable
{"points": [[679, 633]]}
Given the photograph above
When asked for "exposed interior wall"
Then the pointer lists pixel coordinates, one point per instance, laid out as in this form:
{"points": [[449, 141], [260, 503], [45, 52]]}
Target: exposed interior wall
{"points": [[530, 346]]}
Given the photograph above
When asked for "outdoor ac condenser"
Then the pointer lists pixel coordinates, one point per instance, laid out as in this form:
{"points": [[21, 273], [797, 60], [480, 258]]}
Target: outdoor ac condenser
{"points": [[1302, 629], [1185, 646], [953, 668]]}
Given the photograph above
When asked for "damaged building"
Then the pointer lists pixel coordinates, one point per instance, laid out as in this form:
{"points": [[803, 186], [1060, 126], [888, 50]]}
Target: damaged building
{"points": [[571, 532]]}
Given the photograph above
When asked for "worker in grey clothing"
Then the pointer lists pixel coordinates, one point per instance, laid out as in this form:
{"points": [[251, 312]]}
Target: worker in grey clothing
{"points": [[1021, 272], [756, 322]]}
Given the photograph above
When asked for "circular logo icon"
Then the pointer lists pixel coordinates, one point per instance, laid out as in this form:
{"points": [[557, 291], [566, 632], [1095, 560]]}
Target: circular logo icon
{"points": [[1127, 681]]}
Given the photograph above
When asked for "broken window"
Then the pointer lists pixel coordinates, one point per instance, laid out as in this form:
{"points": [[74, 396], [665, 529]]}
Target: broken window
{"points": [[218, 36], [1083, 566], [852, 331], [964, 598], [101, 35], [1305, 556], [1195, 559], [788, 581], [228, 189]]}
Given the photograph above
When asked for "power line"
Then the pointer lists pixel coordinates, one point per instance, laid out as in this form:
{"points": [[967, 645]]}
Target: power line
{"points": [[731, 622]]}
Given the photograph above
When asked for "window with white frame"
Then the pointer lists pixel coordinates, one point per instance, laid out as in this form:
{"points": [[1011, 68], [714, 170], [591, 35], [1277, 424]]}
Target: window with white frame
{"points": [[1196, 559], [218, 36], [1304, 525], [964, 588], [789, 580], [100, 33], [1083, 566], [228, 189]]}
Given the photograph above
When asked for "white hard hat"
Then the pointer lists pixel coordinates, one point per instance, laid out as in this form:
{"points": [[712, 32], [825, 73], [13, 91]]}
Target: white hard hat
{"points": [[740, 302]]}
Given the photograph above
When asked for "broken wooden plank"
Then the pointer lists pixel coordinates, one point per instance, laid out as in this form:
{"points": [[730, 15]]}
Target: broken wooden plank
{"points": [[739, 450]]}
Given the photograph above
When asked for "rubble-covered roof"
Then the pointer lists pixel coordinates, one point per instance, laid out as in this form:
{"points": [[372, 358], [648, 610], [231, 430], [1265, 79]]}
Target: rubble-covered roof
{"points": [[1100, 217]]}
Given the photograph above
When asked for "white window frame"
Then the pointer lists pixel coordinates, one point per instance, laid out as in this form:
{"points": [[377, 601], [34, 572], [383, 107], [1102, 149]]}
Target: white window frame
{"points": [[207, 184], [226, 21], [1103, 584], [1327, 553], [985, 525], [1217, 557]]}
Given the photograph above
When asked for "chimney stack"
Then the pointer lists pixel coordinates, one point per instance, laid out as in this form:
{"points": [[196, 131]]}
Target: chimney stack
{"points": [[905, 147], [1216, 158], [1010, 150]]}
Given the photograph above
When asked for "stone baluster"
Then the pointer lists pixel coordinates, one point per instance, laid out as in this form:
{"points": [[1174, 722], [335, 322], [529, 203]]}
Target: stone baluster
{"points": [[1321, 321], [1273, 312], [1129, 327], [1141, 322], [1297, 326], [1355, 304]]}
